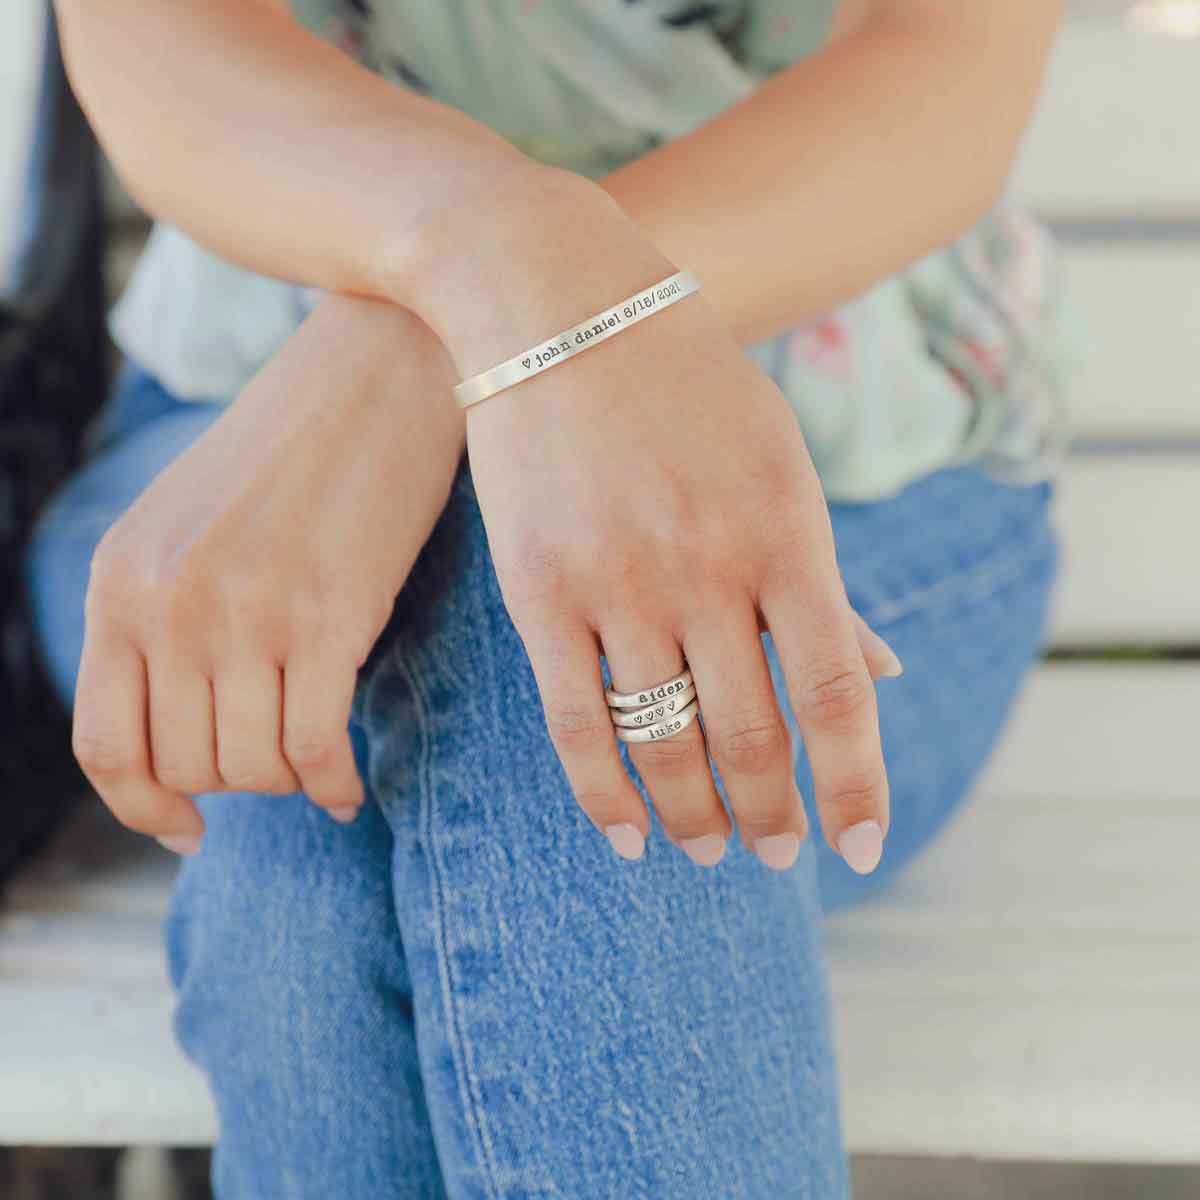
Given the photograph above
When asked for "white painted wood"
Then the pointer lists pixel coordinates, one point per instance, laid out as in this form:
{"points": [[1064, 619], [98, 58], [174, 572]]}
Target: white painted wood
{"points": [[1131, 559], [1085, 730], [22, 27], [1029, 990], [95, 1064], [1134, 322], [1115, 129], [85, 1039]]}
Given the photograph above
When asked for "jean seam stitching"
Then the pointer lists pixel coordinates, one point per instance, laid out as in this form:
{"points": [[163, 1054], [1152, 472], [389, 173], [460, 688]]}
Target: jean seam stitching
{"points": [[467, 1084], [977, 584]]}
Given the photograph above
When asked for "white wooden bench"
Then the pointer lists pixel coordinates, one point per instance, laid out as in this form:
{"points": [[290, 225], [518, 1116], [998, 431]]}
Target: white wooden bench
{"points": [[1030, 989]]}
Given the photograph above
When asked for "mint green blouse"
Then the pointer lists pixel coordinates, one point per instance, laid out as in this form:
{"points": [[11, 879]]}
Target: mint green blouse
{"points": [[954, 359]]}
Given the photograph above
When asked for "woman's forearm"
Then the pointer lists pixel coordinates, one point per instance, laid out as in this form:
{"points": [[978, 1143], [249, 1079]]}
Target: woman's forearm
{"points": [[261, 141], [274, 149], [847, 166]]}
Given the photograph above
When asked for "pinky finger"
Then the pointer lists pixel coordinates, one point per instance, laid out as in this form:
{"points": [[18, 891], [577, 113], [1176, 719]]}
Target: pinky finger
{"points": [[882, 661]]}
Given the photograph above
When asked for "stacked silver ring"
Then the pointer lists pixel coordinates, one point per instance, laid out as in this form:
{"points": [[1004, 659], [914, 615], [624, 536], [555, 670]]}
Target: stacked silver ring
{"points": [[654, 713]]}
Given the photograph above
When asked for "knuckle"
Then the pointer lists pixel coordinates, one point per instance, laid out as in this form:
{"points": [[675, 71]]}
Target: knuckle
{"points": [[752, 744], [706, 542], [310, 749], [790, 566], [181, 775], [321, 603], [671, 758], [781, 484], [605, 806], [618, 570], [248, 597], [319, 585], [858, 792], [836, 698], [108, 581], [347, 625], [716, 561], [576, 729], [534, 567], [103, 757]]}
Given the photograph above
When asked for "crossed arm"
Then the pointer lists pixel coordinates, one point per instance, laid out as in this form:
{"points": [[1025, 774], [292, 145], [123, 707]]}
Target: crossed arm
{"points": [[232, 122], [209, 663]]}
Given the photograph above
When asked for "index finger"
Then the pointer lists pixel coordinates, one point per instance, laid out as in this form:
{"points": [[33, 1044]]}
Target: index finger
{"points": [[110, 739]]}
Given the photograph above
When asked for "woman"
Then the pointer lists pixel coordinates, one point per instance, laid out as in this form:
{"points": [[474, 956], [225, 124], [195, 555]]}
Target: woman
{"points": [[300, 606]]}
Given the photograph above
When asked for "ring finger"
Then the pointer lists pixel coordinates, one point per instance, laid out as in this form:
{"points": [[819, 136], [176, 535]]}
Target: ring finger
{"points": [[248, 691], [675, 769]]}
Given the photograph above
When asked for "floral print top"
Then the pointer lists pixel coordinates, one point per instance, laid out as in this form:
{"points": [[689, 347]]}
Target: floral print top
{"points": [[954, 359]]}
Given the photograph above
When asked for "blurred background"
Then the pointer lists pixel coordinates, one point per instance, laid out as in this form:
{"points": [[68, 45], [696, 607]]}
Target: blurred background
{"points": [[1019, 1018]]}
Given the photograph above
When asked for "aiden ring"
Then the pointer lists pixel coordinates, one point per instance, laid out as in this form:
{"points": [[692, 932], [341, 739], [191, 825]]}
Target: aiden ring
{"points": [[661, 691]]}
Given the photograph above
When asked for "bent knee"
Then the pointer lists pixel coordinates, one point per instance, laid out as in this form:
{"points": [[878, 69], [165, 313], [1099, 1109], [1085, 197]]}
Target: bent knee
{"points": [[284, 918]]}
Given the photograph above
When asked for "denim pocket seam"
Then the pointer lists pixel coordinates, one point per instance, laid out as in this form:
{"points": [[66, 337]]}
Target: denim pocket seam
{"points": [[468, 1086]]}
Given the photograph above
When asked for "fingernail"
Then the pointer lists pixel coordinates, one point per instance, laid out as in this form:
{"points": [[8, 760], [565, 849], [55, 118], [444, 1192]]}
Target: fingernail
{"points": [[345, 814], [779, 850], [862, 846], [892, 666], [626, 840], [707, 850], [182, 843]]}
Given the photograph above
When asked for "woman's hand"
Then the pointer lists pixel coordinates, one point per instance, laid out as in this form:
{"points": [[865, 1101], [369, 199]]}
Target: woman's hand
{"points": [[229, 609], [653, 500]]}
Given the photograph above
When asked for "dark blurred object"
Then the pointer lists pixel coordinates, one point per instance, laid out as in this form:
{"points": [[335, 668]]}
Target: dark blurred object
{"points": [[192, 1168], [53, 377], [34, 1173]]}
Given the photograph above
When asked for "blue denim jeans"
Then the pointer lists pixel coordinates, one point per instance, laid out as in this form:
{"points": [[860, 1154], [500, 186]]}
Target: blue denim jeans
{"points": [[465, 993]]}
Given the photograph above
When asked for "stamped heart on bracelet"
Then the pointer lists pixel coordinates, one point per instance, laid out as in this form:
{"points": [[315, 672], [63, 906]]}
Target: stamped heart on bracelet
{"points": [[525, 362]]}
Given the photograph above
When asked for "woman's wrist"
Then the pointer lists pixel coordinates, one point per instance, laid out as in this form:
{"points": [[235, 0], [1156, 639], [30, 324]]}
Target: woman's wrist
{"points": [[385, 354], [549, 250]]}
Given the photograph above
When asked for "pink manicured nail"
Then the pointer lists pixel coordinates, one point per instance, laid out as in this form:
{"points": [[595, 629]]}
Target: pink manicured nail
{"points": [[346, 814], [862, 846], [626, 840], [182, 843], [892, 664], [779, 850], [707, 850]]}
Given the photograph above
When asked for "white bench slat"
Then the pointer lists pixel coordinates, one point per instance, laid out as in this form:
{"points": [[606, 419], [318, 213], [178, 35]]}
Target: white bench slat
{"points": [[81, 948], [1030, 989], [1115, 129], [1131, 563], [1134, 321], [95, 1065], [1086, 730]]}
